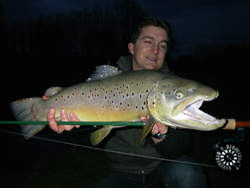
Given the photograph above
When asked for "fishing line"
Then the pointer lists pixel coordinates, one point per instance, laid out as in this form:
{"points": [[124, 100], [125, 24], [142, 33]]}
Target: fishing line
{"points": [[111, 151]]}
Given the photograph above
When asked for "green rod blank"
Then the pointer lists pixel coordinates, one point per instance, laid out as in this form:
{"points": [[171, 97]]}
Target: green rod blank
{"points": [[75, 123]]}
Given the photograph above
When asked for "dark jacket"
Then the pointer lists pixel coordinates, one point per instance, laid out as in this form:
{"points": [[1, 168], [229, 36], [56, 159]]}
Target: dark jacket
{"points": [[127, 140]]}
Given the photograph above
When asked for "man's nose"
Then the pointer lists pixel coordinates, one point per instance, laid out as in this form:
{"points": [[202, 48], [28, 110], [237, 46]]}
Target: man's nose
{"points": [[155, 49]]}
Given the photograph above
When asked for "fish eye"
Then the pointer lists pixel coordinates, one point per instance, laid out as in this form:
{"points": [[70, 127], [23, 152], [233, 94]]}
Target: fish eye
{"points": [[179, 94]]}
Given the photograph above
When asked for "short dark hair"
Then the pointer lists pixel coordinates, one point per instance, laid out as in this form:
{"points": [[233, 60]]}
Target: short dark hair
{"points": [[150, 21]]}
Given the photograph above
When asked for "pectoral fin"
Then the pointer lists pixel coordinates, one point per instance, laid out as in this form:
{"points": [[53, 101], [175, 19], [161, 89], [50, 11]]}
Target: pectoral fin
{"points": [[147, 127], [97, 136]]}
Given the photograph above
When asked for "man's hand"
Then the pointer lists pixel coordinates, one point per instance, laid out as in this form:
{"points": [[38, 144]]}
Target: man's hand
{"points": [[64, 117], [157, 127]]}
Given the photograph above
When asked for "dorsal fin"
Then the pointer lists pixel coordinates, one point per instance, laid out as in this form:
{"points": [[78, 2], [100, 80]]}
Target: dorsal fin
{"points": [[104, 71]]}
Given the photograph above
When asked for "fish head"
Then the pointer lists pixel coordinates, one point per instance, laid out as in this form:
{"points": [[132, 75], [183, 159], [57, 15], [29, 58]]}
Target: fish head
{"points": [[176, 101]]}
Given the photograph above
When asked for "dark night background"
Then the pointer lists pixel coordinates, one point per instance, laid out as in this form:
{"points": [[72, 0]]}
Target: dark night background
{"points": [[46, 43]]}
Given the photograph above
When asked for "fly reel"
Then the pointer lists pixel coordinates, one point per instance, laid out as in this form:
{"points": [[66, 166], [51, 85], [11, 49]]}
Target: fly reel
{"points": [[227, 154]]}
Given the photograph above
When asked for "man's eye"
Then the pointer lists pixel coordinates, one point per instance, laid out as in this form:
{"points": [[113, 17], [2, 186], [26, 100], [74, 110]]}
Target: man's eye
{"points": [[163, 47], [148, 42]]}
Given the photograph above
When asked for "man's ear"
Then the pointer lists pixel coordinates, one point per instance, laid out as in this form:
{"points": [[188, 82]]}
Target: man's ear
{"points": [[131, 48]]}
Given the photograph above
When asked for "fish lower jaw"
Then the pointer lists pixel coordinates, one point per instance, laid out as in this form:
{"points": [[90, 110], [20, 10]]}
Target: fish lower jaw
{"points": [[199, 119]]}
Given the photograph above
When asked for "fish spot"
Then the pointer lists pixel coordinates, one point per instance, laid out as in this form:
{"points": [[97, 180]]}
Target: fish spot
{"points": [[142, 108], [116, 106], [128, 105], [137, 84], [141, 82], [82, 93], [173, 89], [102, 106], [124, 109], [133, 93], [127, 87], [140, 96], [75, 88], [105, 97], [55, 99], [90, 91], [127, 94], [136, 107], [112, 102], [61, 96], [146, 90], [68, 96], [144, 102], [120, 103], [132, 82]]}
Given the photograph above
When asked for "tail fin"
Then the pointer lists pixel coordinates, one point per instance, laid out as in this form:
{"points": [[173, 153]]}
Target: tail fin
{"points": [[22, 112]]}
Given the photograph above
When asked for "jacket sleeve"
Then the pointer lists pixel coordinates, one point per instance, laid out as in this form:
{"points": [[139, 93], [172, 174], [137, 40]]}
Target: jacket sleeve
{"points": [[174, 145]]}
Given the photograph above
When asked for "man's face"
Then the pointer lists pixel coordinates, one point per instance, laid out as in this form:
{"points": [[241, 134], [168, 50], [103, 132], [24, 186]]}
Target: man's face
{"points": [[150, 49]]}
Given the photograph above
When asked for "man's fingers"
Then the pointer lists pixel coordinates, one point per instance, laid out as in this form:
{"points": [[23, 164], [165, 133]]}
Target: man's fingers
{"points": [[73, 117], [64, 117], [51, 114], [143, 118], [158, 127]]}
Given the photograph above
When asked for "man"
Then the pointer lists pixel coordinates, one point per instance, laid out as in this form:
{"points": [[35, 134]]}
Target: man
{"points": [[148, 46]]}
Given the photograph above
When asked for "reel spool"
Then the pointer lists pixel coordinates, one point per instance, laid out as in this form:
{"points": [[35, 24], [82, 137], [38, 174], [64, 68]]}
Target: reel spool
{"points": [[227, 154]]}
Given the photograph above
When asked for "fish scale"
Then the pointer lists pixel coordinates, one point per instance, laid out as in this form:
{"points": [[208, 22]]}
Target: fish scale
{"points": [[119, 99], [169, 99]]}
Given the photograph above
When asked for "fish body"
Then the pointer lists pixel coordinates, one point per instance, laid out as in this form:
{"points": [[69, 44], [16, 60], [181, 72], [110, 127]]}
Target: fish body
{"points": [[170, 100]]}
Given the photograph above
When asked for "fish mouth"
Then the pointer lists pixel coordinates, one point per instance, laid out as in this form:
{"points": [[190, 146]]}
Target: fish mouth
{"points": [[192, 112]]}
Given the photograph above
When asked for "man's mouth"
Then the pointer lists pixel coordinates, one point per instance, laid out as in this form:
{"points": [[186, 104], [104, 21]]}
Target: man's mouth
{"points": [[151, 58]]}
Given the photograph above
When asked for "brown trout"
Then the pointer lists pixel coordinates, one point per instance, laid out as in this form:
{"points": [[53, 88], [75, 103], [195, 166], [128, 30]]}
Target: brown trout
{"points": [[169, 99]]}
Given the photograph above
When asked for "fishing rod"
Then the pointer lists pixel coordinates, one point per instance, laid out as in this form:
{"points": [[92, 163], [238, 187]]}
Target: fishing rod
{"points": [[231, 124], [74, 123]]}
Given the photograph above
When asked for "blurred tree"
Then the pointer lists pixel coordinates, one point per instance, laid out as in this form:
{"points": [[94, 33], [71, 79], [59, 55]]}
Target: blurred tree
{"points": [[2, 26], [129, 13]]}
